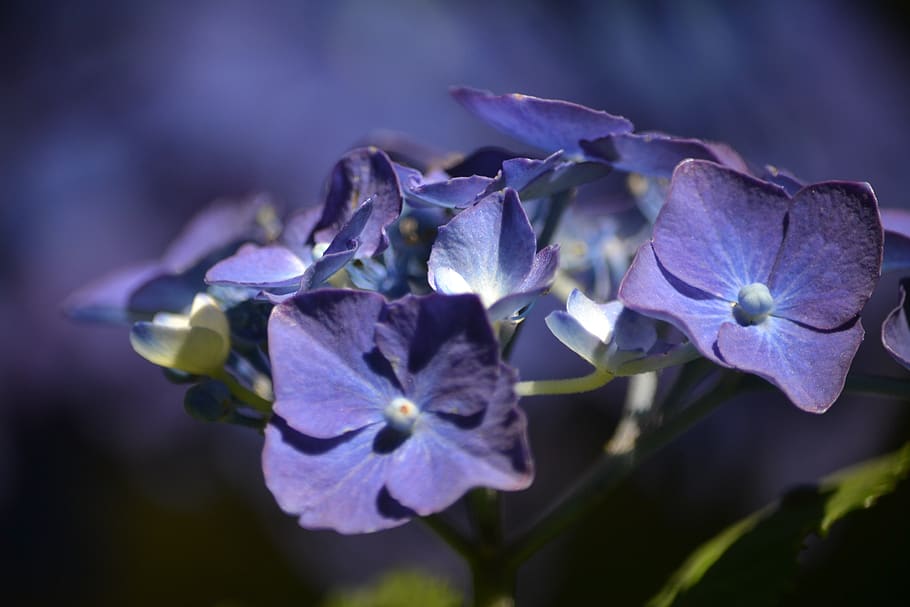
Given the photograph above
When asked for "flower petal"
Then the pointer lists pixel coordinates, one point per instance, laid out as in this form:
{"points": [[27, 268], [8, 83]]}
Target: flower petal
{"points": [[651, 154], [329, 378], [447, 456], [719, 229], [442, 350], [259, 267], [364, 173], [491, 245], [333, 483], [547, 124], [896, 328], [809, 366], [831, 255], [648, 288]]}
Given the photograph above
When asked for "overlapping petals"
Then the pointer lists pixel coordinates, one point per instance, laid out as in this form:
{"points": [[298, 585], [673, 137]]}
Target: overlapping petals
{"points": [[491, 250], [815, 256], [340, 455]]}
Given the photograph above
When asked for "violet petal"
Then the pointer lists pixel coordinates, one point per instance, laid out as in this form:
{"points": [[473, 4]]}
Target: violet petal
{"points": [[830, 258]]}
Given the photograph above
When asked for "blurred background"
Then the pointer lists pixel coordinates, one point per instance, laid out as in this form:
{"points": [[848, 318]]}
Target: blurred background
{"points": [[119, 120]]}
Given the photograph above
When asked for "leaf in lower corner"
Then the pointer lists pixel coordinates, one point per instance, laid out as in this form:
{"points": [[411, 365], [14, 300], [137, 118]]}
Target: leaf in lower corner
{"points": [[399, 589], [753, 562]]}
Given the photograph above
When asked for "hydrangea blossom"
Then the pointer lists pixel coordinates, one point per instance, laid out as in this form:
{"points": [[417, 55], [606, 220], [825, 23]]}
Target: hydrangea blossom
{"points": [[760, 281], [491, 250], [385, 411]]}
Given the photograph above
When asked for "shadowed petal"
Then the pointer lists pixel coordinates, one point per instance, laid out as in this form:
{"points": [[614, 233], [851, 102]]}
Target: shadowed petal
{"points": [[443, 351], [544, 123], [330, 483], [107, 299], [897, 239], [446, 457], [830, 258], [719, 229], [454, 193], [362, 174], [809, 366], [651, 154], [328, 377], [896, 328]]}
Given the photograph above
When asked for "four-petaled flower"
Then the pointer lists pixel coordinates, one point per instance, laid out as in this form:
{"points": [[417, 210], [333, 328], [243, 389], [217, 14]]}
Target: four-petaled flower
{"points": [[760, 281], [385, 411]]}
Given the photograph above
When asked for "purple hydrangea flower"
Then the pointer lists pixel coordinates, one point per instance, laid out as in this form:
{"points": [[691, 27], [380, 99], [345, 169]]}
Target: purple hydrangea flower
{"points": [[547, 124], [385, 411], [760, 281], [490, 249]]}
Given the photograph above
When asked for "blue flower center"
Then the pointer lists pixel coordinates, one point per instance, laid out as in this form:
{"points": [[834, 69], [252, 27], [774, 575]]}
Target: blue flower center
{"points": [[754, 304], [401, 414]]}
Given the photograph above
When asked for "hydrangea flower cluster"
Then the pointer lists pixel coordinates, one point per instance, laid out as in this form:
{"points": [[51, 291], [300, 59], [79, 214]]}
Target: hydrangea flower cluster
{"points": [[367, 337]]}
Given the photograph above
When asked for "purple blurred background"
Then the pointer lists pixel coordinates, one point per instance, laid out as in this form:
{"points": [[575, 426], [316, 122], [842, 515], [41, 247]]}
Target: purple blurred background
{"points": [[119, 120]]}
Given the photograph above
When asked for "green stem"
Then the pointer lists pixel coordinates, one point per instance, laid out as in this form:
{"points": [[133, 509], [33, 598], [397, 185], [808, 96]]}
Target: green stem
{"points": [[600, 377], [450, 535], [589, 493], [494, 580]]}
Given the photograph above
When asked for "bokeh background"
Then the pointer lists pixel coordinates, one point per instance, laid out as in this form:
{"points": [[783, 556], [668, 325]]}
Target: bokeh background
{"points": [[120, 119]]}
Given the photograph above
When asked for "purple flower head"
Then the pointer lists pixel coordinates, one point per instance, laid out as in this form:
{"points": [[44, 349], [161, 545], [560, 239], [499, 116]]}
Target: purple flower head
{"points": [[171, 282], [490, 249], [547, 124], [385, 411], [760, 281]]}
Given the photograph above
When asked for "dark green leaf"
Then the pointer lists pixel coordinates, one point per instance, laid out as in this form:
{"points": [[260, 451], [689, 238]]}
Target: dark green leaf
{"points": [[752, 562]]}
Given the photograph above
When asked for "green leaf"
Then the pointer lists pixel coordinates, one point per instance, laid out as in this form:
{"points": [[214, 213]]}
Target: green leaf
{"points": [[753, 562], [398, 589]]}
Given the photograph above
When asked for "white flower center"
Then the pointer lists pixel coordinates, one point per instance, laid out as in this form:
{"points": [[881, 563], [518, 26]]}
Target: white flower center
{"points": [[754, 304], [401, 414]]}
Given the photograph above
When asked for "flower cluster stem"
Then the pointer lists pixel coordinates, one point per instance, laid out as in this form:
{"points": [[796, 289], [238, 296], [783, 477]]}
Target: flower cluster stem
{"points": [[589, 493], [600, 377]]}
